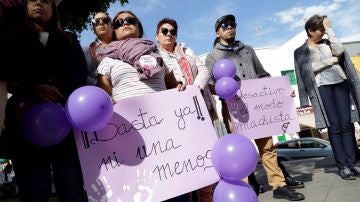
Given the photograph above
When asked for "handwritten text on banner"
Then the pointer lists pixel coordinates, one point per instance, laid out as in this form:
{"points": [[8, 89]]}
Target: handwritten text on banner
{"points": [[264, 107], [155, 147]]}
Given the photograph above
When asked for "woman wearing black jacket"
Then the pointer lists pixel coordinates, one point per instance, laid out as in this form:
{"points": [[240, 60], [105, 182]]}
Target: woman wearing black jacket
{"points": [[43, 63]]}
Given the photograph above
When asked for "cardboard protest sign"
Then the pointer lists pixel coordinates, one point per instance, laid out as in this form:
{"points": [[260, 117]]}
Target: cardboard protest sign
{"points": [[156, 147], [263, 108]]}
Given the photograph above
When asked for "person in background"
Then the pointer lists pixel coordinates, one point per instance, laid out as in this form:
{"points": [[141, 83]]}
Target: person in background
{"points": [[326, 75], [180, 59], [186, 67], [46, 64], [102, 28], [248, 67], [92, 63], [122, 77]]}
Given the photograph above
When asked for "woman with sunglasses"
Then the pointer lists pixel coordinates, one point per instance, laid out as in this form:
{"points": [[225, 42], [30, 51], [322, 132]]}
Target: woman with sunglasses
{"points": [[125, 71], [181, 60], [118, 75], [46, 64], [102, 27], [187, 69]]}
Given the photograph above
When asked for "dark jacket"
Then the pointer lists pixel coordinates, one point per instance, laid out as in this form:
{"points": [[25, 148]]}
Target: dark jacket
{"points": [[308, 88], [60, 63]]}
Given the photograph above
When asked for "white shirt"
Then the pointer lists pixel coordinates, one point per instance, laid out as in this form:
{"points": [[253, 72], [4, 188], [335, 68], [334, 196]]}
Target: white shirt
{"points": [[125, 81], [199, 71], [325, 63]]}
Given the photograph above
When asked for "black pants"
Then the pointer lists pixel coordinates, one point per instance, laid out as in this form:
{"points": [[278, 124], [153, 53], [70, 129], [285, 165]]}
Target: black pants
{"points": [[336, 101], [36, 168]]}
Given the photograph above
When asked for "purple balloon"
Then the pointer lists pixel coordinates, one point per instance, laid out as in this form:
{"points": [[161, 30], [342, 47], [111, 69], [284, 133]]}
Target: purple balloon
{"points": [[224, 68], [226, 88], [89, 108], [237, 182], [234, 157], [226, 192], [45, 124]]}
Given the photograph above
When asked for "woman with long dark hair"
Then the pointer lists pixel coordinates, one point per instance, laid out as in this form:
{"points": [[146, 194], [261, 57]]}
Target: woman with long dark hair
{"points": [[45, 65]]}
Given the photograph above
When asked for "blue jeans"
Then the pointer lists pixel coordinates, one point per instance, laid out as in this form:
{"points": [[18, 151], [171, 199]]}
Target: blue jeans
{"points": [[336, 101]]}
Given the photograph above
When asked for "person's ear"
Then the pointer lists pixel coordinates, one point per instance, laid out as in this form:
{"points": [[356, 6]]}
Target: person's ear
{"points": [[217, 34], [156, 38], [310, 32]]}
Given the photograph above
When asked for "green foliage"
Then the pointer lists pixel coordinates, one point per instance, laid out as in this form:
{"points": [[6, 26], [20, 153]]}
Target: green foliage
{"points": [[76, 14]]}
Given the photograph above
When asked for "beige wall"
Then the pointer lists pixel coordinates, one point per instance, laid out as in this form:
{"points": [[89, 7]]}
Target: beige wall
{"points": [[356, 61]]}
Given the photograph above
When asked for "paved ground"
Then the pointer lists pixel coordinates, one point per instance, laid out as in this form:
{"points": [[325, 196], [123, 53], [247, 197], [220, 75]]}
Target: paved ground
{"points": [[322, 184]]}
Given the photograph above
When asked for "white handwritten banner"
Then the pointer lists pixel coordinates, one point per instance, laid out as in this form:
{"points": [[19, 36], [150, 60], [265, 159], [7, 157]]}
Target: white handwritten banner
{"points": [[263, 108], [156, 147]]}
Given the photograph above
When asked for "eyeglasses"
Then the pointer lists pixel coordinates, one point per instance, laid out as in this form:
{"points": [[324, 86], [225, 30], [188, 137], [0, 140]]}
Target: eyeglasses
{"points": [[97, 21], [165, 31], [41, 1], [121, 22], [225, 25]]}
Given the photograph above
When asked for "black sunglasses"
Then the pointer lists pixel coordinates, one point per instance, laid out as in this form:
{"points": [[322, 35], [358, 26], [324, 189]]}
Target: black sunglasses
{"points": [[121, 22], [165, 31], [225, 25], [97, 21]]}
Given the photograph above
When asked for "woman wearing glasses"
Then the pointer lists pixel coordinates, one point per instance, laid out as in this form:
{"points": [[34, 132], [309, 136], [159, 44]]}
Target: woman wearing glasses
{"points": [[121, 76], [126, 69], [187, 69], [102, 27], [46, 65], [181, 60]]}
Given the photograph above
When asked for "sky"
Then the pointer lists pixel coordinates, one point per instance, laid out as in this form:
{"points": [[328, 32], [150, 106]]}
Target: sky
{"points": [[261, 23]]}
